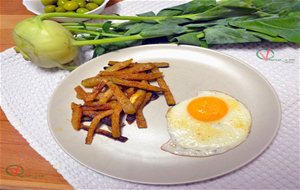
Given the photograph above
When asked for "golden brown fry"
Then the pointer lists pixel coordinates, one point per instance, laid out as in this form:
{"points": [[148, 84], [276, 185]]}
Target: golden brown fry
{"points": [[96, 90], [161, 64], [105, 97], [80, 93], [111, 63], [139, 76], [135, 69], [91, 82], [90, 113], [140, 119], [98, 107], [167, 93], [121, 97], [89, 96], [105, 133], [136, 84], [113, 103], [100, 94], [94, 123], [91, 104], [119, 65], [76, 116], [158, 64], [138, 68], [129, 92], [105, 120], [115, 119], [138, 98]]}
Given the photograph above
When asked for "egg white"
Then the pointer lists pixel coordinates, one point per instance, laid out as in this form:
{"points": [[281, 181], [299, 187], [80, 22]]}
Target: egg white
{"points": [[192, 137]]}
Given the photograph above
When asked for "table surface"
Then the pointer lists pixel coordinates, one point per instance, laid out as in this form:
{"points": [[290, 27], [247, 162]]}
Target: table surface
{"points": [[22, 167]]}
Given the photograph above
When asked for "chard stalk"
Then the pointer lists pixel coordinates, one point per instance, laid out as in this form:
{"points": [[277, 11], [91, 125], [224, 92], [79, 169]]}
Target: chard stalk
{"points": [[107, 40], [82, 31], [87, 24], [78, 29]]}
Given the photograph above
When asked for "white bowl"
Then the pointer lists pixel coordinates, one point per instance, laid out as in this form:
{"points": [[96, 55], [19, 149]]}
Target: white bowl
{"points": [[36, 7]]}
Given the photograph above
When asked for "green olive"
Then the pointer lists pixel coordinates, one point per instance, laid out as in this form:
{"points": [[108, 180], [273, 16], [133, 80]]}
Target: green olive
{"points": [[60, 9], [49, 8], [49, 2], [81, 3], [61, 2], [91, 6], [98, 2], [71, 5], [82, 10]]}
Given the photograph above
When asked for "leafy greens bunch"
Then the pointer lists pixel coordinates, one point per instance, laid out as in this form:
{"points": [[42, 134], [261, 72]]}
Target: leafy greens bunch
{"points": [[198, 22]]}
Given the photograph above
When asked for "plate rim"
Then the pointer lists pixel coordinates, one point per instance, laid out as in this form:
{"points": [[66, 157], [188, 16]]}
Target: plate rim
{"points": [[244, 164]]}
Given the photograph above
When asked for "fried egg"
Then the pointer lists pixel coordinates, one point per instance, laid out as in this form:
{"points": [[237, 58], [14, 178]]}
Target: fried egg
{"points": [[209, 124]]}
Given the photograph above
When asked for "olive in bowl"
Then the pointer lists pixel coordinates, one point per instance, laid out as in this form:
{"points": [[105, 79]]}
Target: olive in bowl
{"points": [[60, 6]]}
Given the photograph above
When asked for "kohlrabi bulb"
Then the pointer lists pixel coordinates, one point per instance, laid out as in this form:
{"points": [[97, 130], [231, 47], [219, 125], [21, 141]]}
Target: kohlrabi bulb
{"points": [[45, 43]]}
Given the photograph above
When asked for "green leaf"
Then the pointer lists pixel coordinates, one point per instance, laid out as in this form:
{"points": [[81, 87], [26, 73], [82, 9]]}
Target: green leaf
{"points": [[294, 14], [226, 35], [106, 26], [137, 28], [219, 12], [162, 29], [150, 13], [286, 27], [276, 6], [194, 6], [245, 4], [125, 25], [175, 20], [204, 44], [105, 48], [269, 38], [223, 22], [118, 45], [188, 38], [98, 51]]}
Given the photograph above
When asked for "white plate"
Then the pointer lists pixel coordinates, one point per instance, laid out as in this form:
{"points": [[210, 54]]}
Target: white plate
{"points": [[140, 159]]}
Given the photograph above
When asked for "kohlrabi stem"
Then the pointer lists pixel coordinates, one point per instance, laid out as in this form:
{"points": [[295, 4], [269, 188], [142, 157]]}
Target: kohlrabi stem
{"points": [[94, 16], [79, 24], [87, 24], [75, 30], [107, 40], [82, 27], [82, 31]]}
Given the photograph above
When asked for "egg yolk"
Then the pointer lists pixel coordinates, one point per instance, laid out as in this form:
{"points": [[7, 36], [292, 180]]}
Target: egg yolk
{"points": [[207, 108]]}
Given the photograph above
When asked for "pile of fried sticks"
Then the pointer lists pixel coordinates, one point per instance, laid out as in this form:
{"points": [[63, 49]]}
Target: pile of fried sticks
{"points": [[121, 90]]}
